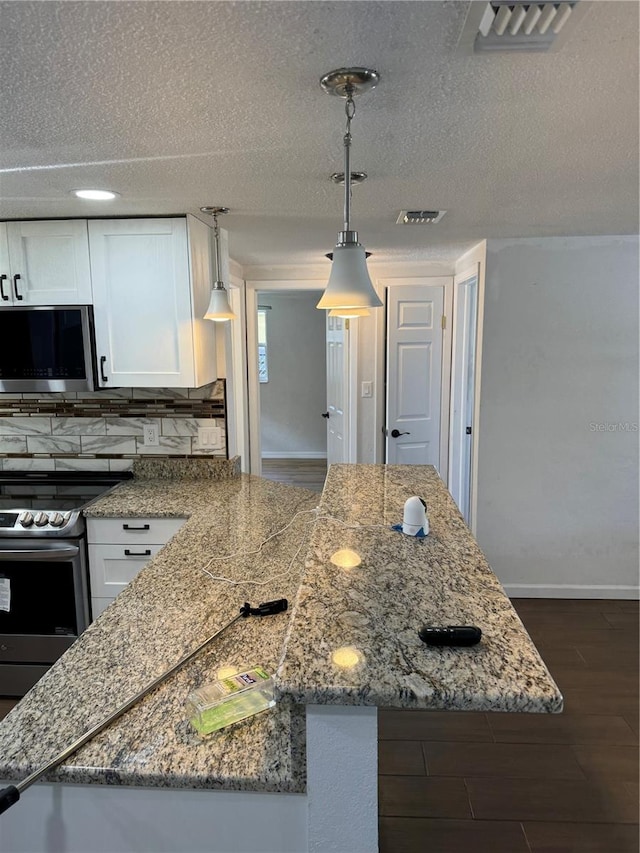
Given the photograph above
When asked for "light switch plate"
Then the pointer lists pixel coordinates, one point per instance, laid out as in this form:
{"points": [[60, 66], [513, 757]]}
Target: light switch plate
{"points": [[209, 437], [367, 389]]}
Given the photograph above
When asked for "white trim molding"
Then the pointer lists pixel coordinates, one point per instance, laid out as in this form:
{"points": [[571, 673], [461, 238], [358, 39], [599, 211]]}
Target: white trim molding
{"points": [[560, 590]]}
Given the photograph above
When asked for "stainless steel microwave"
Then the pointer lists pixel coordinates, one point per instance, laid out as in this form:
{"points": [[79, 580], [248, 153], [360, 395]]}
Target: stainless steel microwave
{"points": [[47, 348]]}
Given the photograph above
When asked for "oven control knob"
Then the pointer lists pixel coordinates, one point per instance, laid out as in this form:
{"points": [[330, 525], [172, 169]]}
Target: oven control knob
{"points": [[56, 520], [26, 519], [41, 519]]}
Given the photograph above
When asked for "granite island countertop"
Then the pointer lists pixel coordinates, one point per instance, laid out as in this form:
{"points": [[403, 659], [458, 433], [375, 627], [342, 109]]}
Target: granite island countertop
{"points": [[169, 609], [373, 609]]}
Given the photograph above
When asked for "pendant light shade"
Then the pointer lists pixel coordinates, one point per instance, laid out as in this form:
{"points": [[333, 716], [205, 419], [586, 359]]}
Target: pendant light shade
{"points": [[219, 309], [349, 283], [349, 313]]}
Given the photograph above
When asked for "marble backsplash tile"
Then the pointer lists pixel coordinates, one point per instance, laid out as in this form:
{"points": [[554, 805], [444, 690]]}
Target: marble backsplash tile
{"points": [[104, 430]]}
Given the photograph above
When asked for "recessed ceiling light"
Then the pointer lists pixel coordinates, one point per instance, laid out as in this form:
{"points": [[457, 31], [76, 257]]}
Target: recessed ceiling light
{"points": [[95, 195]]}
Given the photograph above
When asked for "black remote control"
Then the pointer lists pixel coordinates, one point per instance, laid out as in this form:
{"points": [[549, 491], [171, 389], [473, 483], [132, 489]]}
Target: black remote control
{"points": [[452, 635]]}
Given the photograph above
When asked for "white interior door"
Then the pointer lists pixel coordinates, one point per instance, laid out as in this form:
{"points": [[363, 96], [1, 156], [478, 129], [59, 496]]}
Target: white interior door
{"points": [[463, 374], [337, 390], [415, 339]]}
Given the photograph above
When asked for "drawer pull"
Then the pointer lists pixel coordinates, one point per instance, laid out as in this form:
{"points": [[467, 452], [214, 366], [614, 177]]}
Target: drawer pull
{"points": [[131, 527], [129, 553]]}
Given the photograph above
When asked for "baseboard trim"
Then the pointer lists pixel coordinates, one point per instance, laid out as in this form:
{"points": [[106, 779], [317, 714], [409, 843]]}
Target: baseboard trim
{"points": [[518, 590], [302, 454]]}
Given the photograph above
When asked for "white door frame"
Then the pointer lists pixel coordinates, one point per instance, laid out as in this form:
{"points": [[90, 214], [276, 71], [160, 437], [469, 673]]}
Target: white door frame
{"points": [[458, 373], [252, 288], [476, 268], [445, 281], [235, 356]]}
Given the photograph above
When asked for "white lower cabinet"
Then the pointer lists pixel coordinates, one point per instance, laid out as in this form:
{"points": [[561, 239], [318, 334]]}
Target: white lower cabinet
{"points": [[118, 549]]}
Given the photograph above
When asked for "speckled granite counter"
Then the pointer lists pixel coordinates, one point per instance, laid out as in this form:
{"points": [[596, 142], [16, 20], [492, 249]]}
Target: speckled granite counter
{"points": [[375, 607], [170, 608], [401, 584]]}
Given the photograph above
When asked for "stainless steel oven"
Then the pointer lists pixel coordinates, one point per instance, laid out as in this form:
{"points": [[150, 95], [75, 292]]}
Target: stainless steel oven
{"points": [[47, 348], [43, 606], [44, 577]]}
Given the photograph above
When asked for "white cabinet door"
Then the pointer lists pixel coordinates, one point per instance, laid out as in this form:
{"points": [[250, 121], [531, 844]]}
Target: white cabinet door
{"points": [[6, 293], [49, 262], [142, 302]]}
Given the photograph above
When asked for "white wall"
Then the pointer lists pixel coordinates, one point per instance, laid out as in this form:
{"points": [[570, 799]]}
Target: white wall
{"points": [[557, 498], [292, 401]]}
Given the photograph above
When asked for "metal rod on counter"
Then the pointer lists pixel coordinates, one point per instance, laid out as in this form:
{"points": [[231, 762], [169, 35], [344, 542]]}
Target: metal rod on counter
{"points": [[11, 794]]}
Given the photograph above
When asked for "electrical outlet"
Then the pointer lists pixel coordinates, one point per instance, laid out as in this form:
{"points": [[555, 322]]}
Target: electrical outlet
{"points": [[367, 389], [150, 434]]}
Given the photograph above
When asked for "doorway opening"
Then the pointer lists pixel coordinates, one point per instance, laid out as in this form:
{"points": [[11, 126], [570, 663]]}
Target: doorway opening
{"points": [[288, 342], [291, 385]]}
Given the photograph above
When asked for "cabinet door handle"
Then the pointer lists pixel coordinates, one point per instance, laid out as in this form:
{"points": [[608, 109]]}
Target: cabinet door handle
{"points": [[130, 527], [128, 553], [2, 293], [103, 360], [15, 287]]}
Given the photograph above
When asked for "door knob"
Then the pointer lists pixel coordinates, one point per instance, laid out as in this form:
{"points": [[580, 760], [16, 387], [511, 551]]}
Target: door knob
{"points": [[325, 414], [395, 433]]}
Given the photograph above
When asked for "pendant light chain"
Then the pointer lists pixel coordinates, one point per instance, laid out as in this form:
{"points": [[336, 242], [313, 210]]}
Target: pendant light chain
{"points": [[216, 234], [350, 111]]}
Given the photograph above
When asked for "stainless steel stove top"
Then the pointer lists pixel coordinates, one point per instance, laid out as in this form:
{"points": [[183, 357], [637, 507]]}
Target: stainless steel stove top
{"points": [[50, 504]]}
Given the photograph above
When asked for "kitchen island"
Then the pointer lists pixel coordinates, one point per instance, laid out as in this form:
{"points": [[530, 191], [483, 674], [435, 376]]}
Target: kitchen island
{"points": [[303, 775]]}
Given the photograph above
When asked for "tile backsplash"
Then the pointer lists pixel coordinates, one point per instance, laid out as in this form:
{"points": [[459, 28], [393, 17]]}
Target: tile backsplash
{"points": [[103, 430]]}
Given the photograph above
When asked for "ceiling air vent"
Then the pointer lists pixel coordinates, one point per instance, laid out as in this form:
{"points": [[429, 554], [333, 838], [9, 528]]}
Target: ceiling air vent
{"points": [[507, 26], [419, 217]]}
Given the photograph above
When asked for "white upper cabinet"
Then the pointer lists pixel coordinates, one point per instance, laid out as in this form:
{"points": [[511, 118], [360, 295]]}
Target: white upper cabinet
{"points": [[151, 282], [45, 263]]}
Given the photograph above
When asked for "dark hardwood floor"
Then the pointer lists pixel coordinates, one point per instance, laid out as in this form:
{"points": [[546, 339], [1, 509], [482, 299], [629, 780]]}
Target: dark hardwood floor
{"points": [[524, 783], [307, 473]]}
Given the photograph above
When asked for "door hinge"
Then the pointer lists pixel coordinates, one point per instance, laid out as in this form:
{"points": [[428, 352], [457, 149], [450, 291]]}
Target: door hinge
{"points": [[443, 322], [468, 430]]}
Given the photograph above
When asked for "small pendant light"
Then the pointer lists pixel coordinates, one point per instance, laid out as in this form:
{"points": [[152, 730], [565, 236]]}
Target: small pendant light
{"points": [[219, 309], [349, 285]]}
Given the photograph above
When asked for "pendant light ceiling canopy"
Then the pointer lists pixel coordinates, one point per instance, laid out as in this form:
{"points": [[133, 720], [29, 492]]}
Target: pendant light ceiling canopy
{"points": [[349, 285], [219, 309]]}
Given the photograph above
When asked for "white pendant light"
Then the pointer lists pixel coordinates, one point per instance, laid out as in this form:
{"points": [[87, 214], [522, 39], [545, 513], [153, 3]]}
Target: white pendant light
{"points": [[219, 309], [349, 284]]}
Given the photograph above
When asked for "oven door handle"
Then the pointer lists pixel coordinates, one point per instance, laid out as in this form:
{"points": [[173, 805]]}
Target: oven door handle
{"points": [[50, 552]]}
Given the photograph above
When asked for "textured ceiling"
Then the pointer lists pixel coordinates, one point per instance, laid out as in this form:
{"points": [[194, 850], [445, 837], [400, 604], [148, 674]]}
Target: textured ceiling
{"points": [[181, 104]]}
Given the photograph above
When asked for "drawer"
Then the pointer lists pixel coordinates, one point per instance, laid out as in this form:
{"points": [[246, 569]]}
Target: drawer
{"points": [[112, 567], [124, 531]]}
